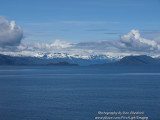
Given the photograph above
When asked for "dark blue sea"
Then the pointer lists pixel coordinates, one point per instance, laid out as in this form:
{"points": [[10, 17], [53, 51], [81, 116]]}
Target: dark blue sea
{"points": [[79, 92]]}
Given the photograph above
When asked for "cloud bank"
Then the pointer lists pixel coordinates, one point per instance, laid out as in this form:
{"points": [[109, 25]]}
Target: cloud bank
{"points": [[129, 44], [10, 33]]}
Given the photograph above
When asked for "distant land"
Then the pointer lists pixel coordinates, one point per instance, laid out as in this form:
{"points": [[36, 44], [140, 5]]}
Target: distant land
{"points": [[133, 60], [62, 64], [136, 60], [47, 59], [10, 60], [127, 60]]}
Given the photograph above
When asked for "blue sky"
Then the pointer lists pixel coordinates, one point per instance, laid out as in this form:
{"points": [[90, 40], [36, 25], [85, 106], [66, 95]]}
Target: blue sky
{"points": [[83, 27], [81, 20]]}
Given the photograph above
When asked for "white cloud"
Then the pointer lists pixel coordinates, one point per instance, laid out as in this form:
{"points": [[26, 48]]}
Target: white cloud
{"points": [[10, 33], [130, 44], [61, 44], [56, 45], [134, 42]]}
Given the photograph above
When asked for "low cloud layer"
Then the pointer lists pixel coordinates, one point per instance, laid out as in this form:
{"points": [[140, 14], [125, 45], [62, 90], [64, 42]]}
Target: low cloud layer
{"points": [[10, 33], [129, 44]]}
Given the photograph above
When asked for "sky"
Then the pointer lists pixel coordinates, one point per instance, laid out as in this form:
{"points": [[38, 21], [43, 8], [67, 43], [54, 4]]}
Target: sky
{"points": [[82, 24]]}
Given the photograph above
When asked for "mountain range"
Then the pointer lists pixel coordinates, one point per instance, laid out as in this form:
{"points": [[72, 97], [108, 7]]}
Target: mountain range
{"points": [[69, 60], [45, 59], [136, 60]]}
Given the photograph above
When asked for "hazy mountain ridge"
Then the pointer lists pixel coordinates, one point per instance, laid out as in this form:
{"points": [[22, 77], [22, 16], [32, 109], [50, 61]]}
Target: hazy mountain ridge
{"points": [[98, 59], [137, 60]]}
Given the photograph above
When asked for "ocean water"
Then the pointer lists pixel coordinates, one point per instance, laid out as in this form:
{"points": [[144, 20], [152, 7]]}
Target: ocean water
{"points": [[78, 92]]}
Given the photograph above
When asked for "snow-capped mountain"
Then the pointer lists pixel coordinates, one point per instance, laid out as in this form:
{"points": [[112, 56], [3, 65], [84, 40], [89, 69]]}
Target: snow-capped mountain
{"points": [[66, 55], [51, 58], [45, 58]]}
